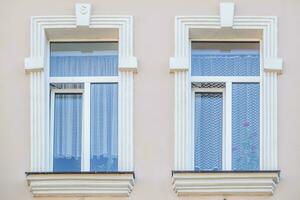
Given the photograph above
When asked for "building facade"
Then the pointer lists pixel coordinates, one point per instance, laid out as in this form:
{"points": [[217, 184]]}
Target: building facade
{"points": [[149, 100]]}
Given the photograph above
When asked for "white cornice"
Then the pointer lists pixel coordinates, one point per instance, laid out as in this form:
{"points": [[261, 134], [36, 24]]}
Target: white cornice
{"points": [[226, 183], [81, 184]]}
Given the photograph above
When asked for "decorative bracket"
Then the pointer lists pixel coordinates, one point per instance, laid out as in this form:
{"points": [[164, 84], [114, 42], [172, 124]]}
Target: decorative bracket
{"points": [[34, 63], [227, 14], [179, 64], [83, 13], [128, 64], [273, 64]]}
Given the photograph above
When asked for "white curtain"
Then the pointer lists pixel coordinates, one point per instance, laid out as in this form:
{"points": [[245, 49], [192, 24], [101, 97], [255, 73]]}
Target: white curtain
{"points": [[83, 65], [104, 127], [67, 126]]}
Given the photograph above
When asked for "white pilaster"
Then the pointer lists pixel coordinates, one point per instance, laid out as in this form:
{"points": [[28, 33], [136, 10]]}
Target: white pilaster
{"points": [[125, 137]]}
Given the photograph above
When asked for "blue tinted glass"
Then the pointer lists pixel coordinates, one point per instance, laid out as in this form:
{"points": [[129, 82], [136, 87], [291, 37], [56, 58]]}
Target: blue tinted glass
{"points": [[245, 126], [208, 131], [83, 59], [67, 132], [104, 127]]}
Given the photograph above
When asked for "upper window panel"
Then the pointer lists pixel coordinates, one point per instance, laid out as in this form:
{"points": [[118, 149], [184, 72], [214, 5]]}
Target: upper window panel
{"points": [[83, 59], [225, 59]]}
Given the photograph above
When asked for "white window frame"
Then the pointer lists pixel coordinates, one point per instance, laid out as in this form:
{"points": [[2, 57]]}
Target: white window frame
{"points": [[53, 92], [185, 179], [37, 66], [86, 81], [227, 119]]}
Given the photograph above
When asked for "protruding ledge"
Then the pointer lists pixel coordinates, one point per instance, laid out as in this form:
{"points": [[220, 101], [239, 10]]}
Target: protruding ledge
{"points": [[273, 64], [179, 64], [33, 63], [225, 182], [128, 64], [80, 183]]}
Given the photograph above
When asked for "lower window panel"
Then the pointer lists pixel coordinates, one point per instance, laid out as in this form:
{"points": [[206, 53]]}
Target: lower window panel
{"points": [[245, 126], [208, 130], [67, 132], [104, 127]]}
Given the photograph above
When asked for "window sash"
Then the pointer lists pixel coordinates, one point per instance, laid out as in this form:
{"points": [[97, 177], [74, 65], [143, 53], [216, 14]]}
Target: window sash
{"points": [[52, 116], [86, 107], [227, 112], [209, 90]]}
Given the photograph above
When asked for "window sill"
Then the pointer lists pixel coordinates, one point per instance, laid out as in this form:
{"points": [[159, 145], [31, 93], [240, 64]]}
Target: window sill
{"points": [[80, 183], [225, 182]]}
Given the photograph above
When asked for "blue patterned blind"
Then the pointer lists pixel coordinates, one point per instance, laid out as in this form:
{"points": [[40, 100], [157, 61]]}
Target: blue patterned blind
{"points": [[245, 126], [225, 63], [208, 131]]}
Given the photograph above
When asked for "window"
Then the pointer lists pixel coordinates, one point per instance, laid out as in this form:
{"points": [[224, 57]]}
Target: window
{"points": [[225, 78], [226, 99], [84, 106], [90, 85]]}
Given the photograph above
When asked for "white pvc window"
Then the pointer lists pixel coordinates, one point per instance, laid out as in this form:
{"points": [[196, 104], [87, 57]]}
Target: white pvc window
{"points": [[226, 104], [83, 79]]}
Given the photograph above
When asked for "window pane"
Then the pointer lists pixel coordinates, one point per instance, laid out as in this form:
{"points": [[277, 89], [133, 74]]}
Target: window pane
{"points": [[245, 126], [225, 59], [208, 131], [67, 132], [104, 127], [84, 59]]}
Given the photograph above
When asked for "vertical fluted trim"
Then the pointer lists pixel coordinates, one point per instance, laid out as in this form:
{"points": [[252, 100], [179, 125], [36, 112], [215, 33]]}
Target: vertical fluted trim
{"points": [[125, 150], [183, 136]]}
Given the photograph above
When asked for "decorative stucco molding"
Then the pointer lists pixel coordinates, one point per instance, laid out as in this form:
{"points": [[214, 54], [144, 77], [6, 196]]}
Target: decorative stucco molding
{"points": [[80, 184], [225, 183], [37, 66], [83, 13], [226, 14], [272, 65], [34, 63], [179, 63]]}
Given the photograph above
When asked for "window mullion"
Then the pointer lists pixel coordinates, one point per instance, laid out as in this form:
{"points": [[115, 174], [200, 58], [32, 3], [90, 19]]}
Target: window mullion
{"points": [[85, 164], [228, 127]]}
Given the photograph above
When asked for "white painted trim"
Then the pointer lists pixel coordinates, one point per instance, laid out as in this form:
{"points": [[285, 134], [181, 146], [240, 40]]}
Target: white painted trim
{"points": [[86, 133], [79, 53], [37, 65], [80, 184], [83, 13], [183, 136], [228, 126], [225, 183], [85, 79]]}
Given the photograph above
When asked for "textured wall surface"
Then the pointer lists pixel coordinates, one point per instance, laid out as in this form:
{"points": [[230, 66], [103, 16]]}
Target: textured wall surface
{"points": [[154, 90]]}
